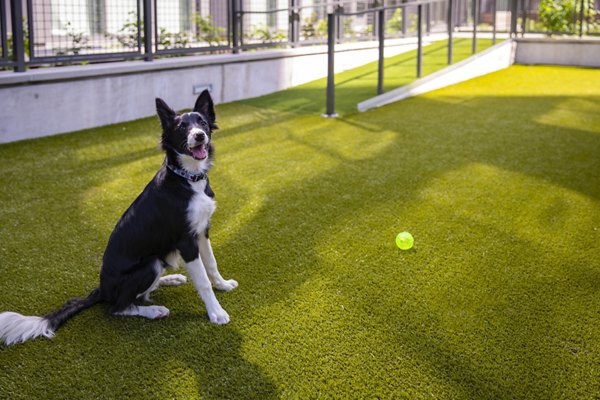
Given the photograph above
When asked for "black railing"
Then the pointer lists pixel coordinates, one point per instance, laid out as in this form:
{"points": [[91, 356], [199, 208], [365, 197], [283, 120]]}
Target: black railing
{"points": [[36, 33]]}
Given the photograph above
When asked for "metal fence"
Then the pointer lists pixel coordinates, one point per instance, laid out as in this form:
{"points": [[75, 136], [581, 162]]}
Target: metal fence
{"points": [[36, 33]]}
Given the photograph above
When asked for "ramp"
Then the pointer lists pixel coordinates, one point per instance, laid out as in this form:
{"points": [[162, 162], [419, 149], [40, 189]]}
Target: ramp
{"points": [[493, 59]]}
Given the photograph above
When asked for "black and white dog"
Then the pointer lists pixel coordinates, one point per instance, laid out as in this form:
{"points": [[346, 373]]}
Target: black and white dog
{"points": [[168, 220]]}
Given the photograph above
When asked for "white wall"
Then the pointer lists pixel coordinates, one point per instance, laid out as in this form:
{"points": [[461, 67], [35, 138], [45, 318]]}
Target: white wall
{"points": [[583, 53]]}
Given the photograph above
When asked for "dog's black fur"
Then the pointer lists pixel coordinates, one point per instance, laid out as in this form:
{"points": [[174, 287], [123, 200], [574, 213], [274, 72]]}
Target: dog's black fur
{"points": [[156, 224]]}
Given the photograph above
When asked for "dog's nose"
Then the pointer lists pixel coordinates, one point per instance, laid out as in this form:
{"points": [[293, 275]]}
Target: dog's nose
{"points": [[200, 136]]}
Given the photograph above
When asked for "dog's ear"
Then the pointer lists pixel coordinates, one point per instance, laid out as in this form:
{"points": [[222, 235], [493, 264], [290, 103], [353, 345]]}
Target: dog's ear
{"points": [[166, 115], [204, 105]]}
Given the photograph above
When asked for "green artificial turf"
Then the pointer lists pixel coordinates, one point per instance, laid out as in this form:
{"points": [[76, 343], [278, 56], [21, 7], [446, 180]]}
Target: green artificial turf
{"points": [[496, 178]]}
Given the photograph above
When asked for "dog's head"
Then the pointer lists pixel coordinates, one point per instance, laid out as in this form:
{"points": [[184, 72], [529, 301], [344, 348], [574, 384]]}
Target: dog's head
{"points": [[187, 137]]}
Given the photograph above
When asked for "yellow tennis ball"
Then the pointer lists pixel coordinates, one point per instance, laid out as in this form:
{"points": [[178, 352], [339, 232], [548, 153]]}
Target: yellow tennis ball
{"points": [[404, 240]]}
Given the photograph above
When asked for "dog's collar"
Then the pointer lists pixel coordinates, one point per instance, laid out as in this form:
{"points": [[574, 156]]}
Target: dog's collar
{"points": [[186, 174]]}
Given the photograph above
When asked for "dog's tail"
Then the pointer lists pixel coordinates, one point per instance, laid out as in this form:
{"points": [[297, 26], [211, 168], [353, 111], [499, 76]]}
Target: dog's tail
{"points": [[17, 328]]}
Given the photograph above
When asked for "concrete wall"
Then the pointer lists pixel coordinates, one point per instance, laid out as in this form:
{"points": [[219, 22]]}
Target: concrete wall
{"points": [[49, 101], [575, 52]]}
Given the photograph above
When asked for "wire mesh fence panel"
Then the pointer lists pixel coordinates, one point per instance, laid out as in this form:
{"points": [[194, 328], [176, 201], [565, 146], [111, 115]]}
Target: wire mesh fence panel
{"points": [[71, 28], [437, 17], [65, 31], [503, 15], [191, 25], [173, 24], [264, 23], [312, 17]]}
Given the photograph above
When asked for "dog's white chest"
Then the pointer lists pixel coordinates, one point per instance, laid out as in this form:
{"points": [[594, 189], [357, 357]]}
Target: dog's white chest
{"points": [[200, 209]]}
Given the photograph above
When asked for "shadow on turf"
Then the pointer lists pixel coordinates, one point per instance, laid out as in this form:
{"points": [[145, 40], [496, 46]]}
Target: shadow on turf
{"points": [[476, 131], [212, 354]]}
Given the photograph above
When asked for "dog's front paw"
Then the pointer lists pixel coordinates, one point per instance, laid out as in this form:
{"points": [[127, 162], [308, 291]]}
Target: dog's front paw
{"points": [[218, 316], [226, 286]]}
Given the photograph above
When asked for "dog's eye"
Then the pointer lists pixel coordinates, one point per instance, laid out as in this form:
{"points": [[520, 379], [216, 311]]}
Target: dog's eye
{"points": [[201, 121]]}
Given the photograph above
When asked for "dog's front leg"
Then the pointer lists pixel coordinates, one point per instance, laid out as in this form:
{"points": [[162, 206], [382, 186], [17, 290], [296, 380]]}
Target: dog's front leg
{"points": [[216, 313], [208, 258]]}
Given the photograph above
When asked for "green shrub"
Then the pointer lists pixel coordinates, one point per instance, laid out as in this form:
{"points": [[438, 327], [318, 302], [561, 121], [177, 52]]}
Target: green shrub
{"points": [[557, 15]]}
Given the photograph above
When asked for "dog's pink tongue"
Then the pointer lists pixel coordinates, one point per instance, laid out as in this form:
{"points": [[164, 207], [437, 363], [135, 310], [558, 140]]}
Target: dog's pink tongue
{"points": [[199, 152]]}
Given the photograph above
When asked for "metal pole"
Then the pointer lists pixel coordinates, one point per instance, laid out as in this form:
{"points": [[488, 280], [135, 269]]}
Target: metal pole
{"points": [[294, 24], [475, 21], [235, 35], [523, 18], [494, 22], [450, 32], [30, 31], [18, 37], [404, 19], [581, 13], [148, 53], [420, 40], [513, 17], [330, 110], [381, 35]]}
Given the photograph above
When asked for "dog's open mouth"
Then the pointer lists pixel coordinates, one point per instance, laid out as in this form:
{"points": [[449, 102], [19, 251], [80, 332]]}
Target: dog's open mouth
{"points": [[199, 152]]}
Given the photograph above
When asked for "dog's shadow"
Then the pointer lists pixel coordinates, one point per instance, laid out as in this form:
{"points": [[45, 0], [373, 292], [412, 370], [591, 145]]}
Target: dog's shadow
{"points": [[182, 356]]}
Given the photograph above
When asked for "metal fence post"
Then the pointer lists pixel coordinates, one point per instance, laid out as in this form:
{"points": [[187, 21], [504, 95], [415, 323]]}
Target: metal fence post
{"points": [[581, 14], [475, 22], [235, 34], [494, 22], [294, 30], [330, 110], [450, 31], [420, 40], [381, 35], [148, 24], [513, 17], [404, 19], [523, 17], [18, 36]]}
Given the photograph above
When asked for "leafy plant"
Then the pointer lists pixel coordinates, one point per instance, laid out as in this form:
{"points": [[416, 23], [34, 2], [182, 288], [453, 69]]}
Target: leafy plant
{"points": [[321, 29], [394, 24], [9, 41], [314, 27], [308, 27], [127, 36], [557, 15], [266, 35], [78, 40], [207, 32], [348, 29], [170, 40]]}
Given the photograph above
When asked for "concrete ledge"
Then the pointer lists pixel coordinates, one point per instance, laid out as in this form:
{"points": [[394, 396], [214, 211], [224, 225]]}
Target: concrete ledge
{"points": [[99, 70], [559, 51], [493, 59], [79, 97]]}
